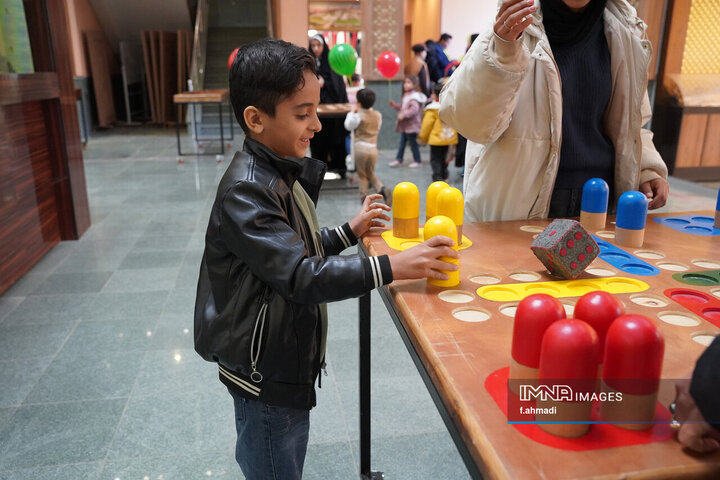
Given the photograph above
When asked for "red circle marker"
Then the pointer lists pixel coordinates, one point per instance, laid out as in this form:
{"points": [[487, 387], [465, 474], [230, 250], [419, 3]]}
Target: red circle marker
{"points": [[563, 252], [570, 244], [573, 265], [553, 233], [578, 235], [589, 249], [581, 257]]}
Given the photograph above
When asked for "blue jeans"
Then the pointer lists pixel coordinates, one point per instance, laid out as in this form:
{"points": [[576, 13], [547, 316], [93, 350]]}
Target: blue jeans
{"points": [[271, 441], [410, 138]]}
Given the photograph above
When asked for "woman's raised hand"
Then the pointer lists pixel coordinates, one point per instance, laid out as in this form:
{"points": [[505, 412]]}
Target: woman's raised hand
{"points": [[513, 18]]}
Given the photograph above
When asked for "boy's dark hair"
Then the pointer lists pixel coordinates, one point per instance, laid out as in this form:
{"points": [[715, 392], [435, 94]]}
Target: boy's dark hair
{"points": [[445, 36], [354, 77], [418, 47], [436, 89], [365, 97], [264, 72]]}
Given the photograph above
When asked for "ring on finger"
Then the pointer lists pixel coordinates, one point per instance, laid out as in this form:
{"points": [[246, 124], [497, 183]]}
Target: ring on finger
{"points": [[506, 25], [674, 422]]}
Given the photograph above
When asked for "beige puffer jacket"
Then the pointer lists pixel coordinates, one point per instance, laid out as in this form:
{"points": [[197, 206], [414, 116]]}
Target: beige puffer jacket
{"points": [[505, 98]]}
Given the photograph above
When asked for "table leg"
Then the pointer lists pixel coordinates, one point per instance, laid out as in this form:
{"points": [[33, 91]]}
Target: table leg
{"points": [[177, 130], [364, 321], [222, 135]]}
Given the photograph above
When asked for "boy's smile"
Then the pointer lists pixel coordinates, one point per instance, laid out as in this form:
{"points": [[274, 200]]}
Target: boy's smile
{"points": [[295, 122]]}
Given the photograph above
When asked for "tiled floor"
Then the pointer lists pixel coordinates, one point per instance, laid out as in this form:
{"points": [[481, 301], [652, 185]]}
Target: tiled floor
{"points": [[98, 373]]}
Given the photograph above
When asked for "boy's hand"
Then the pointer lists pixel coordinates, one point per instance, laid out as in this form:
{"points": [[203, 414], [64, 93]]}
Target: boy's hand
{"points": [[694, 433], [423, 261], [657, 191], [369, 215]]}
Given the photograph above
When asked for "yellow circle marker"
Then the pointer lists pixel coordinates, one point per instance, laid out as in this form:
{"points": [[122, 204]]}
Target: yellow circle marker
{"points": [[431, 198], [406, 210], [441, 225]]}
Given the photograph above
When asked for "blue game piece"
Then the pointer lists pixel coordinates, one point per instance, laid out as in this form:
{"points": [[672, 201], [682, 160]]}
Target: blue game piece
{"points": [[632, 211], [595, 196]]}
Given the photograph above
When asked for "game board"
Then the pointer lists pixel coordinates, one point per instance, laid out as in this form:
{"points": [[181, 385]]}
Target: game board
{"points": [[462, 338]]}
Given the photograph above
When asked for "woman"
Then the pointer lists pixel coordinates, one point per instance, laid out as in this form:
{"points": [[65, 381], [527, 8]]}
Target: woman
{"points": [[548, 99], [328, 144]]}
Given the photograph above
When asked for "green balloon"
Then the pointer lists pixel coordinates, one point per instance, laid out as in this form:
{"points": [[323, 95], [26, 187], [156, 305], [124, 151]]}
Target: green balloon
{"points": [[343, 59]]}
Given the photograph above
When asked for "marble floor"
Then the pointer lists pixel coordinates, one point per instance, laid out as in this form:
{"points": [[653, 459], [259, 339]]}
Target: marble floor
{"points": [[98, 373]]}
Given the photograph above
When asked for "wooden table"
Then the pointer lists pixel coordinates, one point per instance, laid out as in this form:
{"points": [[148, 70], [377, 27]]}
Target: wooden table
{"points": [[204, 97], [455, 357]]}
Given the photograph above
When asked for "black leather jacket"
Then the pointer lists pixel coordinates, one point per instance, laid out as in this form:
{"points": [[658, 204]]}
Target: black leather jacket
{"points": [[261, 281]]}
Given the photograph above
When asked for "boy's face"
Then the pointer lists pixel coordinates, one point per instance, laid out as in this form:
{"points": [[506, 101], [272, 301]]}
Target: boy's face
{"points": [[288, 133]]}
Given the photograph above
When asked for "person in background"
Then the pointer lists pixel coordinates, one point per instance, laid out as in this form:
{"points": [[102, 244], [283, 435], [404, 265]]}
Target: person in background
{"points": [[696, 409], [356, 83], [549, 100], [329, 144], [409, 118], [365, 122], [438, 135], [441, 59], [417, 66], [462, 141]]}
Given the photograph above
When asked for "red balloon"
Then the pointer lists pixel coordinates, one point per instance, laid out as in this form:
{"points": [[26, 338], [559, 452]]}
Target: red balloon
{"points": [[388, 63], [599, 309], [231, 58], [535, 313]]}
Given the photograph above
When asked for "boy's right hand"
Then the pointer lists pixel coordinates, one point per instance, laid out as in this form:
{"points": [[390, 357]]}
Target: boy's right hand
{"points": [[423, 261]]}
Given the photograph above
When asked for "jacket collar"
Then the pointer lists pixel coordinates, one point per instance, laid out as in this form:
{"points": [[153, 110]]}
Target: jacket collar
{"points": [[308, 171]]}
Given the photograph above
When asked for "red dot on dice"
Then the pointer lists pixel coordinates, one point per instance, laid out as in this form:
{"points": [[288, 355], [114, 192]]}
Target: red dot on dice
{"points": [[589, 249], [578, 235], [563, 252], [573, 265], [581, 257], [570, 244], [553, 233]]}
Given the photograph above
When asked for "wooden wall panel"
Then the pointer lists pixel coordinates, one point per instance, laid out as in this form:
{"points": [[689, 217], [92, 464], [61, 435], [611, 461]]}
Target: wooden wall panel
{"points": [[28, 208], [651, 11], [711, 149], [690, 144], [101, 80]]}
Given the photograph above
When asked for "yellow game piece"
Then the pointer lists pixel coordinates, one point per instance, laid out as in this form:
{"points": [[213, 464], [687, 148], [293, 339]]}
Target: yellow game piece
{"points": [[442, 225], [449, 202], [510, 292], [406, 210], [431, 198]]}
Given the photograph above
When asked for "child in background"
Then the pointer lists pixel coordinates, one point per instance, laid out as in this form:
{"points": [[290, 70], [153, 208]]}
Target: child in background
{"points": [[409, 119], [438, 135], [356, 84], [365, 124]]}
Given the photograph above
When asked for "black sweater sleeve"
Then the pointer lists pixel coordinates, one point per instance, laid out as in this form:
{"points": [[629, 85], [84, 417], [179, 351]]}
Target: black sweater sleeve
{"points": [[705, 384]]}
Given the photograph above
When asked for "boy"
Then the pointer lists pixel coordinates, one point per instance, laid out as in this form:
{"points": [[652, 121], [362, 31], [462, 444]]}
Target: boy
{"points": [[365, 124], [438, 135], [267, 268]]}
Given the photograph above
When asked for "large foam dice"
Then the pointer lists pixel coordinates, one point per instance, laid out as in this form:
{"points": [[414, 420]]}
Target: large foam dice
{"points": [[565, 248]]}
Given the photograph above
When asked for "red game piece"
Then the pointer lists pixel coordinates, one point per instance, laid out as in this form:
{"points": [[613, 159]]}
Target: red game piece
{"points": [[569, 358], [632, 364], [535, 313], [599, 309]]}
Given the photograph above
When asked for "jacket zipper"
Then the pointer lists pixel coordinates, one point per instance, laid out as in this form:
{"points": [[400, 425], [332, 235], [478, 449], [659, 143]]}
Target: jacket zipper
{"points": [[256, 342]]}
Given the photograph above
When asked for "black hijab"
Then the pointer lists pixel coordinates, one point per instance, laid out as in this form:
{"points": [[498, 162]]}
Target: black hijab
{"points": [[334, 89], [565, 27]]}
